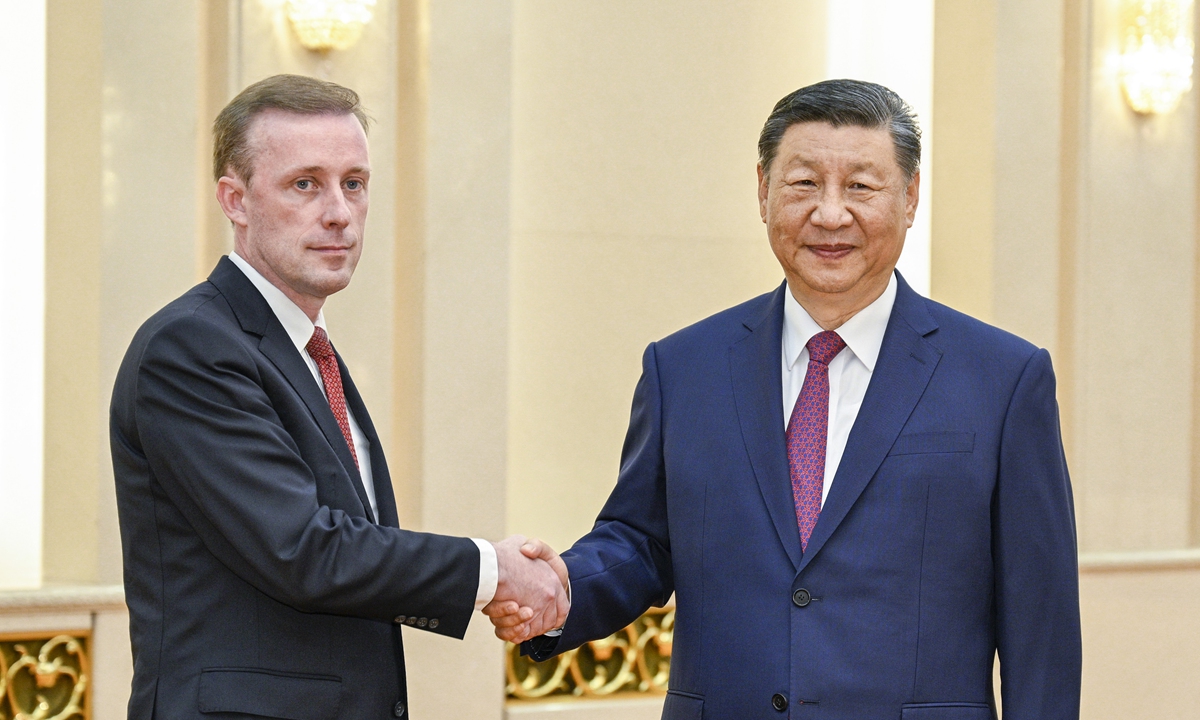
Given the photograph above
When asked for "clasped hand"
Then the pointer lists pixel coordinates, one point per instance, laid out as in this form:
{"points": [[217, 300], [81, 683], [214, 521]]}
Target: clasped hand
{"points": [[531, 591]]}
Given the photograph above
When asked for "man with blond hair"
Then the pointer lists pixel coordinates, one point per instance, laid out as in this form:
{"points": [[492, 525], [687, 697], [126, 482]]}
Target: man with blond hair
{"points": [[265, 571]]}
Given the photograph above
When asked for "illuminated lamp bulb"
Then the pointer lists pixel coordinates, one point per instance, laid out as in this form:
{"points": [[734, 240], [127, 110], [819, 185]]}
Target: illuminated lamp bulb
{"points": [[1156, 53], [324, 25]]}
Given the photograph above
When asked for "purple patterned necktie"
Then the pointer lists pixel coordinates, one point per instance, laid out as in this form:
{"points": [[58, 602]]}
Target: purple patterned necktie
{"points": [[808, 432]]}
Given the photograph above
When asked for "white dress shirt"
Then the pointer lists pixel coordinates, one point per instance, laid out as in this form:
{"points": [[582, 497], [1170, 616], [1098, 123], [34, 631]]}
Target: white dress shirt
{"points": [[849, 372], [300, 329]]}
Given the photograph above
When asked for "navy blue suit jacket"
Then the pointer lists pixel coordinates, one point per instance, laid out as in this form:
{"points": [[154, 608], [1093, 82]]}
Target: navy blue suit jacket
{"points": [[947, 534], [259, 583]]}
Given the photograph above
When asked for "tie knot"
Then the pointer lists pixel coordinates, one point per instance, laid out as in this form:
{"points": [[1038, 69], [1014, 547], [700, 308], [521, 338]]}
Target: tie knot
{"points": [[824, 346], [318, 345]]}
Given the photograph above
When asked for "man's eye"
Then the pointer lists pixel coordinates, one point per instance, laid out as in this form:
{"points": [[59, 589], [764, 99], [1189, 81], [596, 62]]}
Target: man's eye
{"points": [[303, 184], [353, 184]]}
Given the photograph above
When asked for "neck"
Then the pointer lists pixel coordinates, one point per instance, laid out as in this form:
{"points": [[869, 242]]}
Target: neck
{"points": [[311, 305], [832, 310]]}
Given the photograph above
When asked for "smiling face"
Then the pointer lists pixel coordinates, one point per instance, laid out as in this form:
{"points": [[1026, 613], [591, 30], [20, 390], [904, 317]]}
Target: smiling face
{"points": [[837, 207], [300, 221]]}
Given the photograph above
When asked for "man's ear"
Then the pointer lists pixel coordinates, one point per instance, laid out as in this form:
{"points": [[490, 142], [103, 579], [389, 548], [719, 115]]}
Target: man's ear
{"points": [[763, 181], [911, 194], [231, 194]]}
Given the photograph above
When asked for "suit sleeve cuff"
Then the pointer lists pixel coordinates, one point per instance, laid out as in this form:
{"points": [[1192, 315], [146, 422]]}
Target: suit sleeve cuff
{"points": [[489, 573]]}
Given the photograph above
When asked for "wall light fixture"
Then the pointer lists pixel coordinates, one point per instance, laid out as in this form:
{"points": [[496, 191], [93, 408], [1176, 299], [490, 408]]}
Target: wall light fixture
{"points": [[1156, 53], [324, 25]]}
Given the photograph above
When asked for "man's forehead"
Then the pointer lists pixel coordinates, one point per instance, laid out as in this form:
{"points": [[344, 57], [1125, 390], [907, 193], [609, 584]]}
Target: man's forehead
{"points": [[272, 122], [855, 146], [313, 142]]}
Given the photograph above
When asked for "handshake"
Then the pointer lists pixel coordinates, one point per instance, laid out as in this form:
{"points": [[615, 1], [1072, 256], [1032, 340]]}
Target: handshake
{"points": [[531, 591]]}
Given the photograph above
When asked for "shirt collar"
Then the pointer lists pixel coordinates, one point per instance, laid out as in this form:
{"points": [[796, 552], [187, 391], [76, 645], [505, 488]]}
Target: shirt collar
{"points": [[862, 333], [294, 320]]}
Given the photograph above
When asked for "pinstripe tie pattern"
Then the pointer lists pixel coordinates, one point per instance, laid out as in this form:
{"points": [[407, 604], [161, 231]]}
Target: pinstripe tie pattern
{"points": [[321, 351], [808, 432]]}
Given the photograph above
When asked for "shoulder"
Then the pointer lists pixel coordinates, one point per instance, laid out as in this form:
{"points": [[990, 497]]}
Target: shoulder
{"points": [[960, 334], [976, 354], [726, 327], [200, 322]]}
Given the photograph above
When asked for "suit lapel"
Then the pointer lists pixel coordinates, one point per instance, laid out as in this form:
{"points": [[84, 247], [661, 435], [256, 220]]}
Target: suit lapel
{"points": [[902, 372], [385, 499], [755, 364], [256, 317]]}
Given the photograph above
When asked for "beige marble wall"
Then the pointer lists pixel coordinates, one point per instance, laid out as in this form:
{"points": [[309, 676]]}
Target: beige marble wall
{"points": [[1134, 327], [1141, 639]]}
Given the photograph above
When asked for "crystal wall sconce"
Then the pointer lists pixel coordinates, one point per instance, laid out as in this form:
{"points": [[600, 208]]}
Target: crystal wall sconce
{"points": [[324, 25], [1156, 53]]}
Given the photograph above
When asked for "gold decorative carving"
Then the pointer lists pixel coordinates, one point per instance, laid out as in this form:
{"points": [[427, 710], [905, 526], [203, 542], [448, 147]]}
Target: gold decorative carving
{"points": [[636, 659], [44, 677]]}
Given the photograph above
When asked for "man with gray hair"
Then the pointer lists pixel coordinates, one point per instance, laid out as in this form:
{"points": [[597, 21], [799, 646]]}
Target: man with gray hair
{"points": [[265, 572], [857, 496]]}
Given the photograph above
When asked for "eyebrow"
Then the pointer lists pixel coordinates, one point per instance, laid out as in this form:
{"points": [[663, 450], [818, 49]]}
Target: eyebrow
{"points": [[314, 169]]}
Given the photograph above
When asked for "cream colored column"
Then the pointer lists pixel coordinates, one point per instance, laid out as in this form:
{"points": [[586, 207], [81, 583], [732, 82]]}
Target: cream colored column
{"points": [[465, 318], [77, 466], [149, 181], [22, 290], [963, 155], [634, 214], [122, 232]]}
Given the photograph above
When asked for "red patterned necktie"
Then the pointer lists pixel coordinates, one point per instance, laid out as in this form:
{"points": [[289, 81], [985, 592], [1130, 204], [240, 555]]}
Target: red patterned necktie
{"points": [[808, 432], [322, 352]]}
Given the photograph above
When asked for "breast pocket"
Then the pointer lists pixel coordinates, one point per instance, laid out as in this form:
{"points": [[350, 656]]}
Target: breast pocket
{"points": [[947, 711], [933, 442]]}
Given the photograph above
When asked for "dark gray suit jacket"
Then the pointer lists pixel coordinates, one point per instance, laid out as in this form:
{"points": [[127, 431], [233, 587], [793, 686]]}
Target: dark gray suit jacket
{"points": [[258, 582]]}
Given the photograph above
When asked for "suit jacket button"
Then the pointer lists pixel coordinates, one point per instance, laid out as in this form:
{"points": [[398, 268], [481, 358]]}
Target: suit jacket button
{"points": [[422, 622], [411, 621], [433, 623], [779, 702], [399, 619], [398, 710], [802, 598]]}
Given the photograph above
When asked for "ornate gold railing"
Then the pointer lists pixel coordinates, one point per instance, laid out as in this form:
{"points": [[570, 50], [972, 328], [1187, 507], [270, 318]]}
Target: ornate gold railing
{"points": [[637, 659], [44, 676]]}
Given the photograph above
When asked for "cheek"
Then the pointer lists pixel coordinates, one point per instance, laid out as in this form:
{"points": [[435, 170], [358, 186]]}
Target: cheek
{"points": [[786, 220]]}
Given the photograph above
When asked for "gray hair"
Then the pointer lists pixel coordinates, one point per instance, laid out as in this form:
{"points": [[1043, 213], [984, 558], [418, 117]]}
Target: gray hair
{"points": [[841, 103]]}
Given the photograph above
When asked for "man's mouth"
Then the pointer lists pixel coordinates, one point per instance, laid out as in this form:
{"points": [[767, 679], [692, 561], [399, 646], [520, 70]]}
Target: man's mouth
{"points": [[831, 252]]}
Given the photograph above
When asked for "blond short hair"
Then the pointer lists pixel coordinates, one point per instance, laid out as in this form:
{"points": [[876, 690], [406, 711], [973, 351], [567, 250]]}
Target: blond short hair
{"points": [[289, 93]]}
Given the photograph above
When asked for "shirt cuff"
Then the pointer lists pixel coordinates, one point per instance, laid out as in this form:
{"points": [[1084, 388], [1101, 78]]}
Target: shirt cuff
{"points": [[489, 573]]}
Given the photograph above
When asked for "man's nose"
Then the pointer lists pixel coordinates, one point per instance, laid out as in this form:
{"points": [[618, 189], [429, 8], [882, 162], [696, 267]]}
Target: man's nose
{"points": [[831, 212], [337, 209]]}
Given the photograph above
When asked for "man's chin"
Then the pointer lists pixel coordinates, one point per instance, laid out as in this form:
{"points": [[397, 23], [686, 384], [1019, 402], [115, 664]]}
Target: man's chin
{"points": [[330, 283], [827, 284]]}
